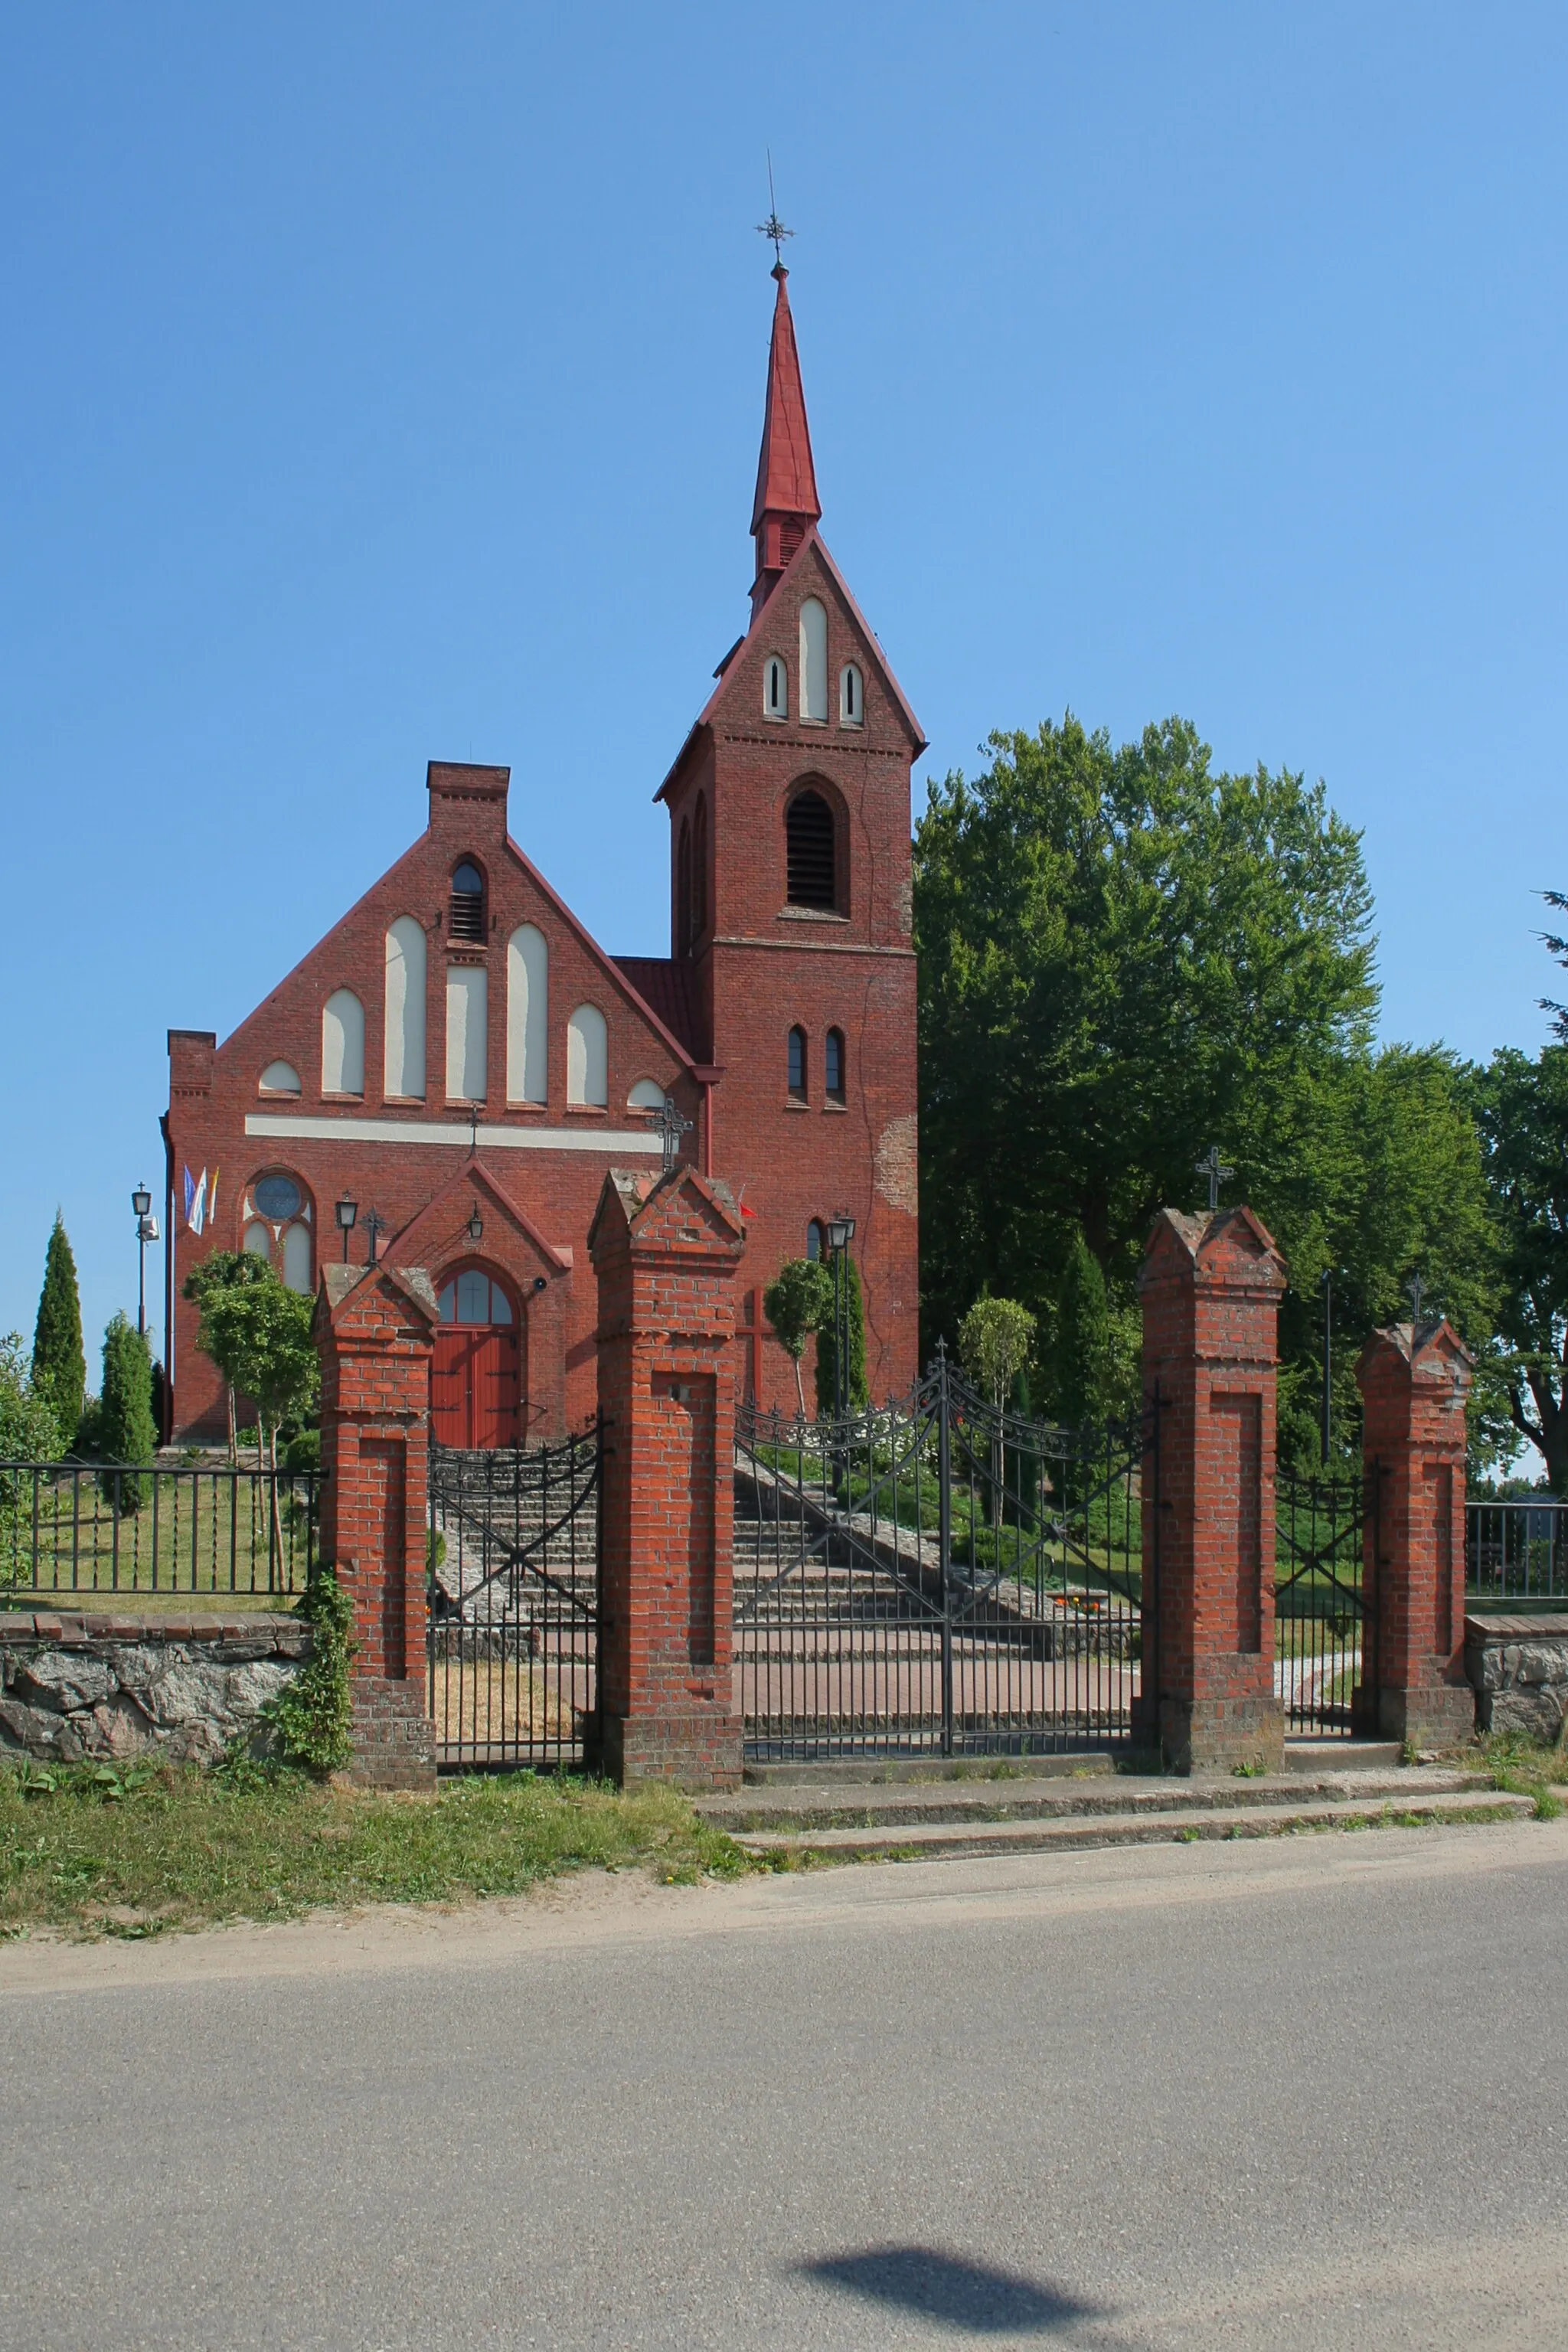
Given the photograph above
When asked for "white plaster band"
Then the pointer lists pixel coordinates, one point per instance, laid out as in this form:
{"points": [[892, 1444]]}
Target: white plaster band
{"points": [[422, 1131]]}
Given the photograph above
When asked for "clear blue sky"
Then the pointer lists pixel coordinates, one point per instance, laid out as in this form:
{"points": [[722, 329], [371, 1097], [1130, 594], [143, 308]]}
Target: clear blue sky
{"points": [[384, 382]]}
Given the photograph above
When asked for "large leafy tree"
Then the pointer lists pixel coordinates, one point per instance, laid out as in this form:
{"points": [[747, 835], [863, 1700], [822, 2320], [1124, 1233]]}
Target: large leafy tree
{"points": [[1521, 1108], [1126, 956], [59, 1363]]}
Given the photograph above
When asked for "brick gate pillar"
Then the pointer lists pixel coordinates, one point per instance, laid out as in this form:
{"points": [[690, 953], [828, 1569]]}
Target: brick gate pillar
{"points": [[1211, 1288], [375, 1326], [1413, 1384], [665, 1250]]}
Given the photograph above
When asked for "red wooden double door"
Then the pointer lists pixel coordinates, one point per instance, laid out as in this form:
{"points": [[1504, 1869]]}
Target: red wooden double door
{"points": [[476, 1377]]}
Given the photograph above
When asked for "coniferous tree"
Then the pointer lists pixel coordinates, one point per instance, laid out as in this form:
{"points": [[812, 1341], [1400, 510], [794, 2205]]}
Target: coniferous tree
{"points": [[125, 1431], [59, 1366]]}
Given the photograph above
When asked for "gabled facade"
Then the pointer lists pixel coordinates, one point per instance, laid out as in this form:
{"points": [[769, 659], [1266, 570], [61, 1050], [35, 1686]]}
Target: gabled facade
{"points": [[460, 1056]]}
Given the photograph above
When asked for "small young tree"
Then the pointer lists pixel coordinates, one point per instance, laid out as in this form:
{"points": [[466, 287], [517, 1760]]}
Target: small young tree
{"points": [[225, 1270], [796, 1303], [59, 1365], [125, 1431], [259, 1334], [857, 1395], [994, 1342]]}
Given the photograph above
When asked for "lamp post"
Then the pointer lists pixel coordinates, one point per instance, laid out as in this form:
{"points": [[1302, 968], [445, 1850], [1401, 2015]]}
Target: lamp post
{"points": [[348, 1211], [141, 1204], [840, 1233]]}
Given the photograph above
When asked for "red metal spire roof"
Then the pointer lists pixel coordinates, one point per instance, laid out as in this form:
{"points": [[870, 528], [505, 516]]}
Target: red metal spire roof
{"points": [[787, 480]]}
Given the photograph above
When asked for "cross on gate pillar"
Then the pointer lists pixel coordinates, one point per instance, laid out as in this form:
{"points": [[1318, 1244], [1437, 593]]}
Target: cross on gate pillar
{"points": [[1210, 1288], [665, 1250], [375, 1327], [1415, 1379]]}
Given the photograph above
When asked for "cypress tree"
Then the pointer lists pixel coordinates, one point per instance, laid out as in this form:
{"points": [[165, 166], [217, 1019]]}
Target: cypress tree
{"points": [[59, 1367], [1085, 1348], [857, 1396], [125, 1410]]}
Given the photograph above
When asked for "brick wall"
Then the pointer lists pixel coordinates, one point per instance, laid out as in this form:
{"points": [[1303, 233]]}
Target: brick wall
{"points": [[666, 1252]]}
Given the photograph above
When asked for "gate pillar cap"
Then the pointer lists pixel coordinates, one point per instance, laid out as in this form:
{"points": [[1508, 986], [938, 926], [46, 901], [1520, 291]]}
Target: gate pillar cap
{"points": [[673, 1210], [1429, 1355], [354, 1294], [1232, 1245]]}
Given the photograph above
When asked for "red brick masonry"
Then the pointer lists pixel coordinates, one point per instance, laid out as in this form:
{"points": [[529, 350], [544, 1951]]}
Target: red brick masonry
{"points": [[1211, 1288], [1414, 1384]]}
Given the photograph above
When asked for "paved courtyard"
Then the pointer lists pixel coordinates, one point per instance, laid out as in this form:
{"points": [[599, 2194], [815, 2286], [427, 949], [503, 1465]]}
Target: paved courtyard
{"points": [[1303, 2093]]}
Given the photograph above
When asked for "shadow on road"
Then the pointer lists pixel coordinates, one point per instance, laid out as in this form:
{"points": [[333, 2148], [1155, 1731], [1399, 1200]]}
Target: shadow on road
{"points": [[966, 2294]]}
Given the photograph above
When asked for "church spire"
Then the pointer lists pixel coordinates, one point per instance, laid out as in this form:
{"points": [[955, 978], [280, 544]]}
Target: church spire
{"points": [[787, 502]]}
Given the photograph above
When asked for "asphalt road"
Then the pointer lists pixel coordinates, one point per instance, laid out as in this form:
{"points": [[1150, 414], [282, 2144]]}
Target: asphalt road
{"points": [[1302, 2094]]}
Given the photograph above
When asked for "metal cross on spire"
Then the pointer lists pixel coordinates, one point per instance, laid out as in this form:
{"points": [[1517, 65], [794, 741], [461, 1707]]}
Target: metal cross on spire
{"points": [[670, 1126], [1414, 1286], [374, 1225], [773, 226], [1217, 1172], [473, 1127]]}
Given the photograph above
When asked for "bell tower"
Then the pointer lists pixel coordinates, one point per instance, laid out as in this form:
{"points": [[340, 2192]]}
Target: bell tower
{"points": [[791, 907]]}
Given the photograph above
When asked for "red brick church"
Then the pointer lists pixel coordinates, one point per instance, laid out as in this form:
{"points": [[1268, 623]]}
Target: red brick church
{"points": [[458, 1062]]}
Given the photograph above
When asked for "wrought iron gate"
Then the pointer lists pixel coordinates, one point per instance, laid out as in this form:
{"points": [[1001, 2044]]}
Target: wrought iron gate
{"points": [[940, 1577], [514, 1602], [1324, 1623]]}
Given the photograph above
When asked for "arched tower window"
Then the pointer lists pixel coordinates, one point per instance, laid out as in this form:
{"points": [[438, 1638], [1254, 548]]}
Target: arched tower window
{"points": [[814, 661], [810, 845], [526, 1015], [815, 1242], [467, 917], [776, 688], [700, 870], [797, 1063], [852, 697], [587, 1057], [833, 1066], [297, 1257], [404, 1058], [683, 891], [343, 1044]]}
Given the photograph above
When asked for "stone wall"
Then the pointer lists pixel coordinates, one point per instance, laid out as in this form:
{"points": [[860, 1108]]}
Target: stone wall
{"points": [[1518, 1667], [98, 1686]]}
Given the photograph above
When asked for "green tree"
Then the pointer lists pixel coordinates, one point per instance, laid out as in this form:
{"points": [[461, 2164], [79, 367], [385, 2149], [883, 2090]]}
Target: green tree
{"points": [[225, 1270], [59, 1364], [993, 1343], [1125, 957], [1522, 1111], [856, 1394], [259, 1334], [27, 1434], [796, 1303], [125, 1430]]}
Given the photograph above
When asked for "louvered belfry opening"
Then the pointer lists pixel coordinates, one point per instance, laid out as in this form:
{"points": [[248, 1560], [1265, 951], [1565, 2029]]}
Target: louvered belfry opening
{"points": [[809, 840], [467, 903]]}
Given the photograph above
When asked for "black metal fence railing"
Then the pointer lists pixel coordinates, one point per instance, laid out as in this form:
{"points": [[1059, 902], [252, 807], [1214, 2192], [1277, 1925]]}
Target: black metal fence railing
{"points": [[1516, 1552], [69, 1530], [514, 1602], [1324, 1628], [937, 1576]]}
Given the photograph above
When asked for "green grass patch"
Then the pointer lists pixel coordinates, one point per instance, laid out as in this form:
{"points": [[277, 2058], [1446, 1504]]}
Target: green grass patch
{"points": [[96, 1851]]}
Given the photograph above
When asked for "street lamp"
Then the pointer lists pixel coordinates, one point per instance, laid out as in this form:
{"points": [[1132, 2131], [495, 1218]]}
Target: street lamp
{"points": [[840, 1233], [476, 1225], [348, 1210], [141, 1204]]}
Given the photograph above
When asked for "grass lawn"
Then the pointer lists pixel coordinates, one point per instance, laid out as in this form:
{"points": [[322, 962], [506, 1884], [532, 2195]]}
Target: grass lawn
{"points": [[135, 1852]]}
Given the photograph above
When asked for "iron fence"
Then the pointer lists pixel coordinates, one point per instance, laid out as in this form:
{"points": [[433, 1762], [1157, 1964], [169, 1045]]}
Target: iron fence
{"points": [[514, 1603], [1516, 1552], [1324, 1628], [71, 1530], [937, 1576]]}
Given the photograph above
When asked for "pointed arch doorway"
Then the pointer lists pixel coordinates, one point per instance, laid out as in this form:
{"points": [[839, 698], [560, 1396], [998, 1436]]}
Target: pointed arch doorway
{"points": [[476, 1376]]}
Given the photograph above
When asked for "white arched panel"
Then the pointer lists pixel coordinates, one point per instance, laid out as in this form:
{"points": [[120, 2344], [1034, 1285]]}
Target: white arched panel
{"points": [[467, 1018], [258, 1240], [403, 1061], [280, 1078], [813, 660], [296, 1258], [526, 1015], [587, 1056], [646, 1095], [343, 1044]]}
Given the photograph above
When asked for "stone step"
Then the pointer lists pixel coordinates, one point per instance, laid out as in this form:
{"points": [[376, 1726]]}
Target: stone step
{"points": [[932, 1841], [797, 1810]]}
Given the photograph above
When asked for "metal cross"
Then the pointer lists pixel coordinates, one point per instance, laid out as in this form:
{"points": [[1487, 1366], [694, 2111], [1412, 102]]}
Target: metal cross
{"points": [[1216, 1173], [374, 1225], [670, 1126], [473, 1127], [1415, 1286], [773, 226]]}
